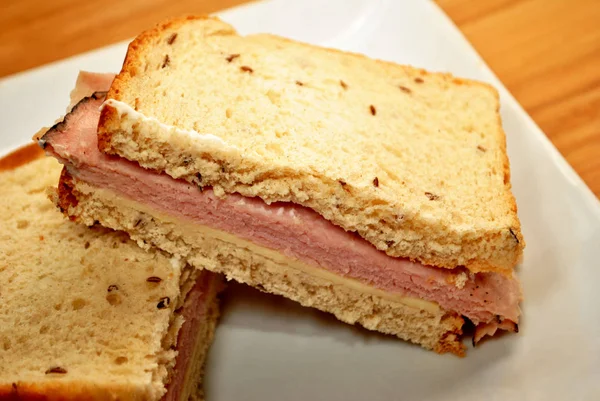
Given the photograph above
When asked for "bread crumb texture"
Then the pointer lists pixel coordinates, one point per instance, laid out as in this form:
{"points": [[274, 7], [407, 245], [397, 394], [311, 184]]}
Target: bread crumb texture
{"points": [[415, 162], [79, 317]]}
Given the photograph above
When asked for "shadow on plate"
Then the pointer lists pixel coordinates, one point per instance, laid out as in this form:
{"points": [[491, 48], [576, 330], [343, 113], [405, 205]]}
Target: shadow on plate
{"points": [[315, 342]]}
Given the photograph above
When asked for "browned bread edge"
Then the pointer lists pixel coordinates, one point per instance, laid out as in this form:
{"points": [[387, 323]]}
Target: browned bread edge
{"points": [[63, 391], [21, 156], [129, 69]]}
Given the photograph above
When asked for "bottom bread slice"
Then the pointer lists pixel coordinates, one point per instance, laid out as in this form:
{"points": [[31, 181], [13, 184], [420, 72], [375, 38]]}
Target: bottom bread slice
{"points": [[420, 322]]}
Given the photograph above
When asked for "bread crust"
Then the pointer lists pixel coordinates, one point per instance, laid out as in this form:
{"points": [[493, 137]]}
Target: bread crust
{"points": [[66, 199], [20, 157], [58, 390], [489, 246], [130, 69]]}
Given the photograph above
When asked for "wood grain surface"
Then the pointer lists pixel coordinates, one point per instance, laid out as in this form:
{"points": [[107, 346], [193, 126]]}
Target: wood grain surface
{"points": [[547, 52]]}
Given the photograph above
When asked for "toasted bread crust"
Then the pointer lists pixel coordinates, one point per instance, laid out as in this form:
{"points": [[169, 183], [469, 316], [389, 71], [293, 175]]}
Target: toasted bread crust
{"points": [[107, 115], [65, 198], [58, 390], [130, 69], [494, 245], [20, 157]]}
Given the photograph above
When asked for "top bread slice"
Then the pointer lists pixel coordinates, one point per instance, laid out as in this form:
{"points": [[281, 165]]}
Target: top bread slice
{"points": [[414, 162], [79, 318]]}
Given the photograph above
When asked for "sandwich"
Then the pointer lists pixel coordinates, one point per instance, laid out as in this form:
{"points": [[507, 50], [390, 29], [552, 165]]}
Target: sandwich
{"points": [[87, 314], [377, 192]]}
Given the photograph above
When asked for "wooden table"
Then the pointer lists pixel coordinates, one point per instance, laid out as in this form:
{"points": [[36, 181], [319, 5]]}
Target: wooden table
{"points": [[547, 52]]}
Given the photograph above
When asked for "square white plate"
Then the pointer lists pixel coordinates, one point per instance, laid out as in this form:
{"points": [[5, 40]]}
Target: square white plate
{"points": [[267, 348]]}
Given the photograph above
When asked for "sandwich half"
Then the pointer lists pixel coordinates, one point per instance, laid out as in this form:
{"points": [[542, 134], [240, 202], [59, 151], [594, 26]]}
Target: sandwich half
{"points": [[376, 192], [86, 314]]}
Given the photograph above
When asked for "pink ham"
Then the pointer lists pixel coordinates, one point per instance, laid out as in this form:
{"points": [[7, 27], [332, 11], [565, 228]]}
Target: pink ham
{"points": [[490, 328], [293, 230], [194, 313], [88, 83]]}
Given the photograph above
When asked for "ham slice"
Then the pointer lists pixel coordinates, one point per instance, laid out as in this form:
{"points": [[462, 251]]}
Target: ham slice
{"points": [[490, 328], [195, 316], [88, 83], [295, 231]]}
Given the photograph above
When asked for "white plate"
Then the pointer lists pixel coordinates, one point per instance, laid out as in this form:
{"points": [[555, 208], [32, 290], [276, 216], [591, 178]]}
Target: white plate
{"points": [[267, 348]]}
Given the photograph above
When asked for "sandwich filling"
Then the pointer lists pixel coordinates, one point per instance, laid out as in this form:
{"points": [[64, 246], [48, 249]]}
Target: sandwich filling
{"points": [[193, 319], [489, 300]]}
